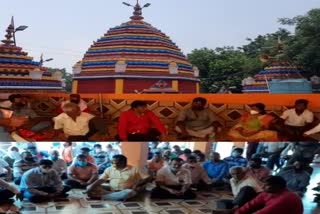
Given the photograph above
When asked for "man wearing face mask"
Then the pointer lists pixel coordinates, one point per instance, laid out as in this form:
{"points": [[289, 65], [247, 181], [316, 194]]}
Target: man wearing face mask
{"points": [[199, 177], [21, 166], [42, 183], [76, 99], [81, 173], [198, 121], [297, 177], [58, 164], [173, 181], [12, 155], [125, 181], [256, 170], [86, 152], [236, 158], [136, 124]]}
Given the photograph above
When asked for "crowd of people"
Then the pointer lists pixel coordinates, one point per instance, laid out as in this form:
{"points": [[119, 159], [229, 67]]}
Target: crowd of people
{"points": [[174, 173], [75, 122]]}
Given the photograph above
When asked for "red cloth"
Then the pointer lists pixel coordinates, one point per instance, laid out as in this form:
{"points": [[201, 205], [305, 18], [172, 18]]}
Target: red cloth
{"points": [[266, 203], [130, 123]]}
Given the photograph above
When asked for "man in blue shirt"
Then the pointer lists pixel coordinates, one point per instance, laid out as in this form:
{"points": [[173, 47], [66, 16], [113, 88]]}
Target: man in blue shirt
{"points": [[216, 169], [42, 183], [236, 158]]}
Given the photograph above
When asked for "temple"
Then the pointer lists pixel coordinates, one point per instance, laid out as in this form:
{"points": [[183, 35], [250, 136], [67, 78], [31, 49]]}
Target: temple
{"points": [[135, 57], [281, 76], [19, 73]]}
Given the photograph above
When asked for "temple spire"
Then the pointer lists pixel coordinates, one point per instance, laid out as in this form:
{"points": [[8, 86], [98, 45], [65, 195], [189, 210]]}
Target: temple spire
{"points": [[10, 32], [137, 13]]}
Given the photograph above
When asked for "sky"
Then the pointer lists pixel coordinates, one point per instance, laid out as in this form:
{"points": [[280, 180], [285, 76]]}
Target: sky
{"points": [[65, 29]]}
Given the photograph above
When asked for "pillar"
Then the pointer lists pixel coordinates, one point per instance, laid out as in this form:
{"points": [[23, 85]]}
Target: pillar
{"points": [[75, 86], [175, 85], [119, 86], [204, 147], [197, 88], [136, 153]]}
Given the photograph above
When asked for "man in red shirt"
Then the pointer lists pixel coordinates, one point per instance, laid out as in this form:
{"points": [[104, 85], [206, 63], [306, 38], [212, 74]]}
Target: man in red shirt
{"points": [[276, 199], [136, 124]]}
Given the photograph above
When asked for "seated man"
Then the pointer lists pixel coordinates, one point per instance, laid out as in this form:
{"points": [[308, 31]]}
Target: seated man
{"points": [[272, 151], [173, 181], [125, 181], [297, 120], [199, 176], [216, 169], [76, 99], [100, 158], [58, 164], [256, 170], [5, 171], [244, 188], [77, 125], [135, 124], [276, 199], [81, 173], [12, 155], [42, 183], [254, 126], [177, 150], [156, 163], [197, 121], [21, 166], [297, 177], [304, 151], [7, 191], [86, 152], [185, 154], [236, 158]]}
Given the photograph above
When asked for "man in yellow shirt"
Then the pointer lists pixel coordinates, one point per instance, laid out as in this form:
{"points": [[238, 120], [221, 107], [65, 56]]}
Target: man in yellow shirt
{"points": [[125, 181]]}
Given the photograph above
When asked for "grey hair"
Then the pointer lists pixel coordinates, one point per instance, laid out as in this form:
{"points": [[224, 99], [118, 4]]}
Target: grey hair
{"points": [[237, 168]]}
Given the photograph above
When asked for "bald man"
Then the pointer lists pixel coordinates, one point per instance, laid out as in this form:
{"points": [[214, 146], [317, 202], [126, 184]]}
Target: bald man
{"points": [[77, 125]]}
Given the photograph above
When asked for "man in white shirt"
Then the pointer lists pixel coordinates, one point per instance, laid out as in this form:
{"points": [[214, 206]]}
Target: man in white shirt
{"points": [[244, 189], [77, 125], [297, 120], [173, 181]]}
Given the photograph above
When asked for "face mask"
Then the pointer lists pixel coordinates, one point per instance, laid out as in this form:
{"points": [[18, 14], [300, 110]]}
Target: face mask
{"points": [[174, 169], [54, 158], [81, 164], [29, 159], [235, 154], [254, 112]]}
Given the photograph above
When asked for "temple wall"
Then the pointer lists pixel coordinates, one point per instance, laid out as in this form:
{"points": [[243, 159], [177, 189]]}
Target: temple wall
{"points": [[92, 86]]}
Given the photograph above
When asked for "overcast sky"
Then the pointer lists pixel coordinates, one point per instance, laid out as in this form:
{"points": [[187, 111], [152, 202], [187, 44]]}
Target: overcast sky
{"points": [[65, 29]]}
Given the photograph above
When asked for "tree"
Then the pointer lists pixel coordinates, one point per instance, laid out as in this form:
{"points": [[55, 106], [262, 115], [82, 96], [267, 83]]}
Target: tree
{"points": [[66, 77]]}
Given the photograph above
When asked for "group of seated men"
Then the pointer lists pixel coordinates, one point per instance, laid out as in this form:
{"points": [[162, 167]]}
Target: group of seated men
{"points": [[174, 173], [74, 122]]}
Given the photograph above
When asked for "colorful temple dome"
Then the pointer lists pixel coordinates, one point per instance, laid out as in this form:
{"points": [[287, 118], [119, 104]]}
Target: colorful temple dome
{"points": [[18, 71], [133, 57]]}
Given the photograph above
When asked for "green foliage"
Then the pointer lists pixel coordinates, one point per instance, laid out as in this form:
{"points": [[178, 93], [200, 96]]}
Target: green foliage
{"points": [[228, 66], [67, 77]]}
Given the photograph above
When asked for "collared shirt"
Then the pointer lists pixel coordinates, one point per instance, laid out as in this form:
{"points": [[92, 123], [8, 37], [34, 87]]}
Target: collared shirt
{"points": [[100, 157], [130, 123], [314, 130], [3, 165], [82, 173], [197, 174], [183, 177], [34, 178], [123, 179], [292, 119], [21, 166], [296, 181], [280, 203], [202, 120], [236, 186], [236, 161], [67, 154], [259, 173], [60, 166], [7, 186], [80, 127], [217, 170], [155, 166]]}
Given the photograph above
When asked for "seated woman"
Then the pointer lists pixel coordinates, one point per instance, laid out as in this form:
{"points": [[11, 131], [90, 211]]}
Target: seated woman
{"points": [[254, 126]]}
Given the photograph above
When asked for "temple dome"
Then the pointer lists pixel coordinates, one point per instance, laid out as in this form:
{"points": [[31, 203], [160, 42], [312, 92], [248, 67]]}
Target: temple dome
{"points": [[134, 51]]}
